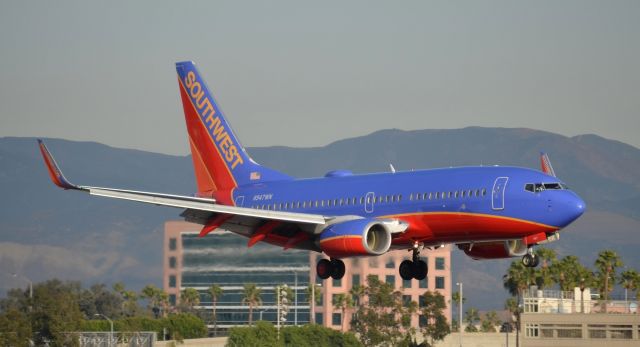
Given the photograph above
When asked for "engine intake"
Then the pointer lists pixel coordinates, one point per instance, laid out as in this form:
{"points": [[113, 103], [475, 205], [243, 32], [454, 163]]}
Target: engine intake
{"points": [[355, 237], [495, 250]]}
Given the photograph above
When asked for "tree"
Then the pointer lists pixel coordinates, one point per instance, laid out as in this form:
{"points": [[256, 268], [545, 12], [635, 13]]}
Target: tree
{"points": [[55, 311], [455, 299], [215, 292], [489, 322], [547, 257], [189, 297], [518, 278], [251, 298], [129, 300], [472, 316], [15, 328], [512, 304], [630, 279], [343, 302], [314, 291], [357, 292], [567, 272], [436, 327], [100, 299], [607, 263], [157, 299], [381, 320]]}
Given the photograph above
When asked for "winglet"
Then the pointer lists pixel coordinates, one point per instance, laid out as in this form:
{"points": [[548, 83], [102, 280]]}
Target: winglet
{"points": [[545, 164], [54, 171]]}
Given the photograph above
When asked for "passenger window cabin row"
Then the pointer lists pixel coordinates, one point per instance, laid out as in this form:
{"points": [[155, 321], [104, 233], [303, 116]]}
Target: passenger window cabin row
{"points": [[465, 193], [369, 199]]}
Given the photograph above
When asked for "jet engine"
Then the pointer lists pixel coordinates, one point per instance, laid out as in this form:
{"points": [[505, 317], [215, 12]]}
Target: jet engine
{"points": [[495, 250], [355, 237]]}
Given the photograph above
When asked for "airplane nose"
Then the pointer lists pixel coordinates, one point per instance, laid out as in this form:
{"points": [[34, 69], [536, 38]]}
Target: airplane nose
{"points": [[579, 207]]}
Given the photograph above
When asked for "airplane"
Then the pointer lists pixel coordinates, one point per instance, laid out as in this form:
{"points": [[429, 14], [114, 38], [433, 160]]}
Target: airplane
{"points": [[489, 212]]}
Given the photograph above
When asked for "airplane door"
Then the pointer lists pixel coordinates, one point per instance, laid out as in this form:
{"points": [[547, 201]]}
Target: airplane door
{"points": [[240, 201], [369, 199], [497, 194]]}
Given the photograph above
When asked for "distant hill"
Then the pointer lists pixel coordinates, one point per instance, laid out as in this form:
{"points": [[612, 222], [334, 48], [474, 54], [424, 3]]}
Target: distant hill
{"points": [[46, 232]]}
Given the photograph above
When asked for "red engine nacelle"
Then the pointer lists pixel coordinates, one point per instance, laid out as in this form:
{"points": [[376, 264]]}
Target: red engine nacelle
{"points": [[495, 250], [356, 237]]}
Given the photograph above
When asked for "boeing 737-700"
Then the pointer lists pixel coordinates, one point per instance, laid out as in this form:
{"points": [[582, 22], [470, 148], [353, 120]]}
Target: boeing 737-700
{"points": [[487, 211]]}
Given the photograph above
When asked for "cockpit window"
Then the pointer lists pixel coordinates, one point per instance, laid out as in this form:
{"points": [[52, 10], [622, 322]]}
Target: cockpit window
{"points": [[538, 187]]}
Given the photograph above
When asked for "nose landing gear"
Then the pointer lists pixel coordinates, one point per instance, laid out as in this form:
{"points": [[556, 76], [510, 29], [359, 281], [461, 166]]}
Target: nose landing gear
{"points": [[333, 268], [415, 268], [530, 259]]}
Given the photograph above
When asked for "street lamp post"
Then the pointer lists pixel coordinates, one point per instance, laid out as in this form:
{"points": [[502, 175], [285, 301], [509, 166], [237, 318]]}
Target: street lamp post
{"points": [[460, 316], [110, 322], [295, 299], [312, 314], [262, 312]]}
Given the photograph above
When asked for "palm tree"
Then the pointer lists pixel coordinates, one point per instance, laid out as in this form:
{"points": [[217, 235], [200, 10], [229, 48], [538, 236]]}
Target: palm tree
{"points": [[251, 297], [216, 292], [357, 292], [548, 257], [471, 317], [516, 281], [565, 273], [190, 298], [156, 297], [512, 305], [314, 291], [518, 278], [490, 321], [343, 302], [629, 279], [607, 263], [129, 299], [455, 299]]}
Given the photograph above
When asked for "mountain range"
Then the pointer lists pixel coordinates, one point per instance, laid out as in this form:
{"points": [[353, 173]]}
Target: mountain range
{"points": [[46, 232]]}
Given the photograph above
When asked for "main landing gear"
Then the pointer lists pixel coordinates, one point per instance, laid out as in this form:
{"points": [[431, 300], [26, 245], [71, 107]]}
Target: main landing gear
{"points": [[530, 259], [415, 268], [333, 268]]}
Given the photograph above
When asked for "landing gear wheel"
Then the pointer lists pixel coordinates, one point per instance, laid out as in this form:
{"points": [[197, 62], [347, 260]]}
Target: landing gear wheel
{"points": [[527, 260], [420, 270], [338, 269], [406, 270], [536, 260], [324, 269]]}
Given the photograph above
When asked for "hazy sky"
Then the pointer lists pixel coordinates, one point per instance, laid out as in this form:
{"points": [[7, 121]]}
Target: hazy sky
{"points": [[300, 73]]}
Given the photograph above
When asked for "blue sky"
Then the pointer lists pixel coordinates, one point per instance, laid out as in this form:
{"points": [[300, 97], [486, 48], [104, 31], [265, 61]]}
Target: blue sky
{"points": [[302, 73]]}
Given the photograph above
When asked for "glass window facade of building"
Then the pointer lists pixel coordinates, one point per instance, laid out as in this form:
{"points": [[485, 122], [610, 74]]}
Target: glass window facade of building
{"points": [[423, 283], [439, 282], [440, 263], [390, 279], [355, 280], [336, 319], [223, 258]]}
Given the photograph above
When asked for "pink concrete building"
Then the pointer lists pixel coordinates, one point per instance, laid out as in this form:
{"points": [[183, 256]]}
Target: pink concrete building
{"points": [[172, 260], [386, 268]]}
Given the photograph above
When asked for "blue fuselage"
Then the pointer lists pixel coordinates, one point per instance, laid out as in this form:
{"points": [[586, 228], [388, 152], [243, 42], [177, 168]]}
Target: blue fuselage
{"points": [[441, 205]]}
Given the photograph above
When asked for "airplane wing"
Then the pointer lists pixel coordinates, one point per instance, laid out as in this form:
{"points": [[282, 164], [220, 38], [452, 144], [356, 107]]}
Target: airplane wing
{"points": [[197, 209]]}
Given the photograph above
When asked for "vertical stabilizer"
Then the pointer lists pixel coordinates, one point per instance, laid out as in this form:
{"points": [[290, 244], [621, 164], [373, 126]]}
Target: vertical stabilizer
{"points": [[545, 164], [219, 160]]}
